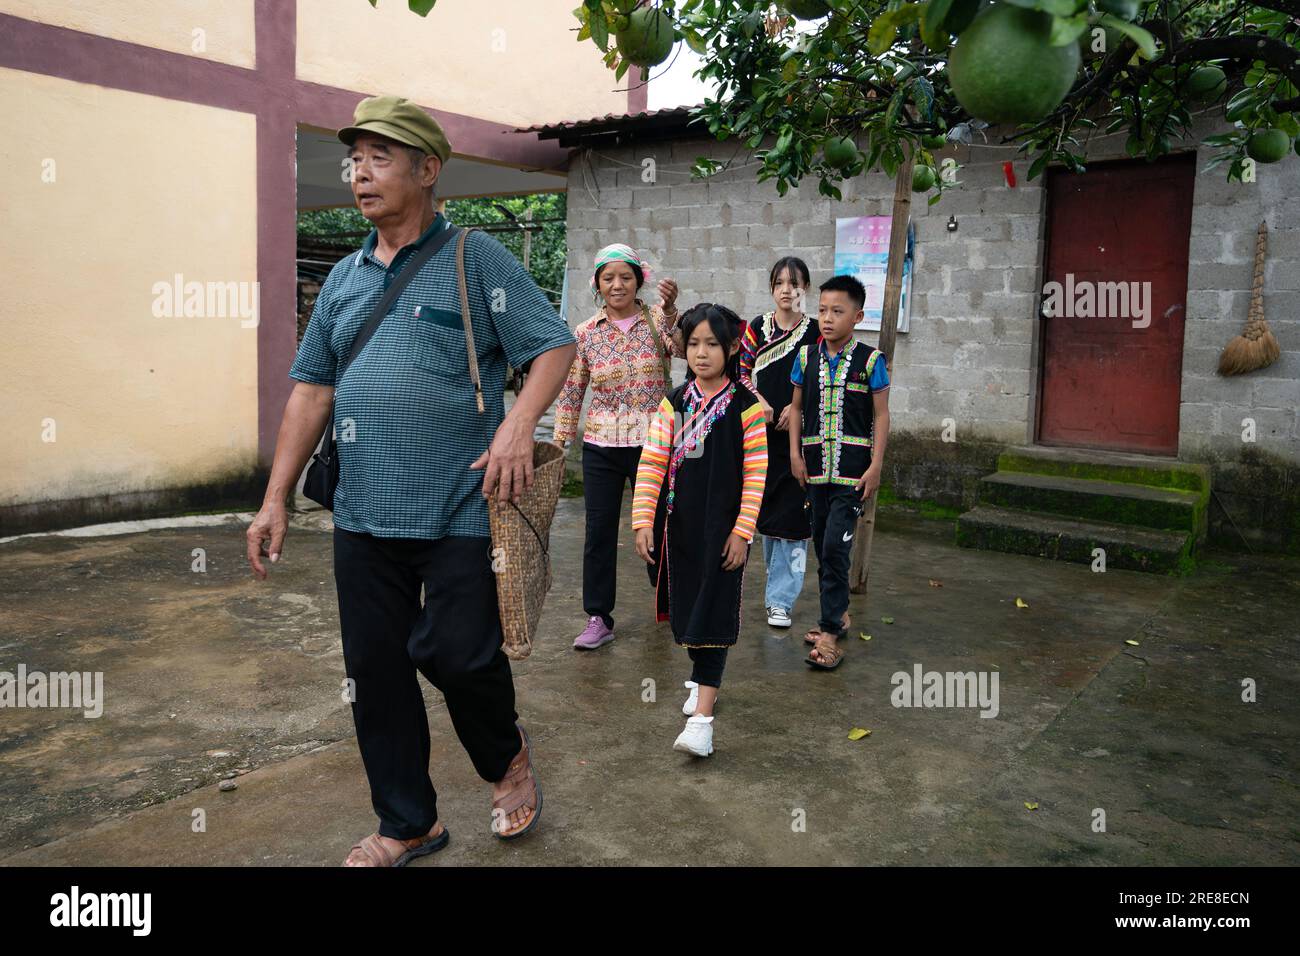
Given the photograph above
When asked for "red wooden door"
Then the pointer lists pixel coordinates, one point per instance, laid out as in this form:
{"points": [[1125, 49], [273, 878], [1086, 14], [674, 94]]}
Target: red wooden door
{"points": [[1113, 349]]}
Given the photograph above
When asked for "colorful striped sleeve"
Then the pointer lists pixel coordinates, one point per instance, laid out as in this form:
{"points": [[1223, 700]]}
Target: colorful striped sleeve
{"points": [[654, 465], [748, 351], [754, 471]]}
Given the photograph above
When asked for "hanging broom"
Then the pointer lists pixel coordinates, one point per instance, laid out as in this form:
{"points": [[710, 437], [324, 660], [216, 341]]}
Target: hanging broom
{"points": [[1255, 347]]}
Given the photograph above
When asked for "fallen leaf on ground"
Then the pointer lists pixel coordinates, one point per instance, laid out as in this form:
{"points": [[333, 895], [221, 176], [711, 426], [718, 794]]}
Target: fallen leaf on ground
{"points": [[886, 620], [865, 637], [1133, 643], [1030, 806], [935, 584], [1020, 603], [857, 733]]}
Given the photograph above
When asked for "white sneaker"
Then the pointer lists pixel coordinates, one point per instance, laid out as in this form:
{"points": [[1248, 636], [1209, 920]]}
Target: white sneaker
{"points": [[778, 617], [697, 738], [688, 708]]}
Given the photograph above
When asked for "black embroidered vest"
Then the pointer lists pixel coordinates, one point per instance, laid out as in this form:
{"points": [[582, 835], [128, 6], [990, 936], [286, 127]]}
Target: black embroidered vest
{"points": [[838, 416]]}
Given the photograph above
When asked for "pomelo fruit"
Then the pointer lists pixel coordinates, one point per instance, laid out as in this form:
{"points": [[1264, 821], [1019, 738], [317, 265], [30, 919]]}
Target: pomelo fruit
{"points": [[961, 13], [648, 39], [923, 179], [1206, 84], [821, 110], [1003, 69], [807, 9], [934, 140], [1267, 145], [840, 151]]}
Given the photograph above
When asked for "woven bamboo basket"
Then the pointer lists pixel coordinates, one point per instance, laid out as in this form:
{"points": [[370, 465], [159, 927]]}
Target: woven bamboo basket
{"points": [[521, 550]]}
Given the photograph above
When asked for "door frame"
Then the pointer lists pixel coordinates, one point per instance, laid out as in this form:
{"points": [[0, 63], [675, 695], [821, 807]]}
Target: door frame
{"points": [[1040, 328]]}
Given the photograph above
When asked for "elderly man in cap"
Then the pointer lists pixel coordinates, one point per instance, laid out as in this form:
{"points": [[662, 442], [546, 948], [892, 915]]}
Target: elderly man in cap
{"points": [[417, 462]]}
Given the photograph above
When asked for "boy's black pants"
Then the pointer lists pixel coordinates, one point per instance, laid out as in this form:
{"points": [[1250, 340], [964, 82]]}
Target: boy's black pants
{"points": [[835, 511], [454, 640]]}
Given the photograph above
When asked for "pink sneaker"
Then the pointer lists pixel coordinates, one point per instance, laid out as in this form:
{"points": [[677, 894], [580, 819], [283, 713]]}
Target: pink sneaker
{"points": [[594, 635]]}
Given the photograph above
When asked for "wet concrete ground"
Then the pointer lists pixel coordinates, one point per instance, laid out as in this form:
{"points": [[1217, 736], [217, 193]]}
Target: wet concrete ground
{"points": [[211, 673]]}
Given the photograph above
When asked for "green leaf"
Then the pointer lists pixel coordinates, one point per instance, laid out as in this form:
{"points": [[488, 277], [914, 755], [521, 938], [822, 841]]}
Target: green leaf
{"points": [[600, 31], [1145, 41], [422, 7], [1037, 166], [932, 30], [923, 97], [880, 37], [1067, 29]]}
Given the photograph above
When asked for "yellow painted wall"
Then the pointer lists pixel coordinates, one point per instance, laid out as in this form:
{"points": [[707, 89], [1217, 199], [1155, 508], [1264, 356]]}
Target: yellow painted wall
{"points": [[515, 62], [143, 188], [227, 25]]}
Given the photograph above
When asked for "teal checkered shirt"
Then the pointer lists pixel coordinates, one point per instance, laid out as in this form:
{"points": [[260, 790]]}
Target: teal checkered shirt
{"points": [[407, 423]]}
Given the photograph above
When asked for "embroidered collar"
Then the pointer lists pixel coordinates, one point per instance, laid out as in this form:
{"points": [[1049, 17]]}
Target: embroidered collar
{"points": [[701, 413], [775, 349]]}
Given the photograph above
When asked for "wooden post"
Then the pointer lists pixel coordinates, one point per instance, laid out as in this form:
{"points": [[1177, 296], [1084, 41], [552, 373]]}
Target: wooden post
{"points": [[528, 236], [860, 567]]}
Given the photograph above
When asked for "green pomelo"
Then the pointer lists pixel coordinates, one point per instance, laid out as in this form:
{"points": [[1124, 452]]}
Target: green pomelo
{"points": [[840, 151], [1206, 84], [923, 179], [1003, 69], [648, 39], [1267, 145]]}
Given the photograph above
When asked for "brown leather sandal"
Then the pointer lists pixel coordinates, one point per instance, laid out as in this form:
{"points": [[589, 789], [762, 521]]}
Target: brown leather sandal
{"points": [[812, 636], [375, 853], [829, 656], [525, 791]]}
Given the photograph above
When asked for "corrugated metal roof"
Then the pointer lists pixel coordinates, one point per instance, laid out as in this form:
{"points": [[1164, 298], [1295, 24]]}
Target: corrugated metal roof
{"points": [[608, 120]]}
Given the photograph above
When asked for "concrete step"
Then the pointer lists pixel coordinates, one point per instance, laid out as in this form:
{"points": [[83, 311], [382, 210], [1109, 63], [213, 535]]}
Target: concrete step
{"points": [[1089, 499], [1120, 467], [1064, 539]]}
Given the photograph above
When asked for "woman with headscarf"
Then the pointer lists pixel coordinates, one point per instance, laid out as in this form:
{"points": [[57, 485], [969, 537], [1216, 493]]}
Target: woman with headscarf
{"points": [[625, 355]]}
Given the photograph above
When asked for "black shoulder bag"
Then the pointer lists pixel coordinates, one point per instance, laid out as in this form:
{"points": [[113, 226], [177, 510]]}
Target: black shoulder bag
{"points": [[323, 473]]}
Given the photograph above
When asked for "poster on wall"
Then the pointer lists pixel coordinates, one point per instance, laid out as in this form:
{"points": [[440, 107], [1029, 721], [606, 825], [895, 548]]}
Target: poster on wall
{"points": [[862, 251]]}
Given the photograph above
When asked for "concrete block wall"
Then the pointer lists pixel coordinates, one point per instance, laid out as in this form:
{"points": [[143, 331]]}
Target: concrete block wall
{"points": [[971, 355]]}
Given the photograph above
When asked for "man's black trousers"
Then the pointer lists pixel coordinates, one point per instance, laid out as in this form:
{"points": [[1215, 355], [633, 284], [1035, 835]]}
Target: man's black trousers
{"points": [[454, 640]]}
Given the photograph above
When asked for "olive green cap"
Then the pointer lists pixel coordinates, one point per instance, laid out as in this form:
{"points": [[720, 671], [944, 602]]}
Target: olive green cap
{"points": [[398, 119]]}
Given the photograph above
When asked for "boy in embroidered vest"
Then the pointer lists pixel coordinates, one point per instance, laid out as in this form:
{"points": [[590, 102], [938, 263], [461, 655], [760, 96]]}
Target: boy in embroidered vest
{"points": [[837, 447]]}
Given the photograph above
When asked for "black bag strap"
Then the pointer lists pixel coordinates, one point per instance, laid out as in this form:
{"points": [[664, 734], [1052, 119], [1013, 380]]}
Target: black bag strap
{"points": [[413, 266], [367, 331]]}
